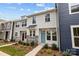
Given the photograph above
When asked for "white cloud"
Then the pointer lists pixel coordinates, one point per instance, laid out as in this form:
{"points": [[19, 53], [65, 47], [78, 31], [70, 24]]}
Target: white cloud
{"points": [[40, 4], [49, 8], [21, 9], [28, 10]]}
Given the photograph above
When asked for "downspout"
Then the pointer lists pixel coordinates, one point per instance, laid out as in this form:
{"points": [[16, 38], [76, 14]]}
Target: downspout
{"points": [[12, 30], [57, 25]]}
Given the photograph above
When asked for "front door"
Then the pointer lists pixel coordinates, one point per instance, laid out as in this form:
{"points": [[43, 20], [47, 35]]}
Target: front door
{"points": [[6, 35], [22, 36], [43, 36]]}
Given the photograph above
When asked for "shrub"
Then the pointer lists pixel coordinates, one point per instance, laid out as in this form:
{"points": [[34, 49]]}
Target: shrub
{"points": [[0, 39], [68, 52], [46, 46], [49, 51], [27, 44], [23, 43], [32, 43], [12, 40], [54, 47], [5, 41], [20, 42]]}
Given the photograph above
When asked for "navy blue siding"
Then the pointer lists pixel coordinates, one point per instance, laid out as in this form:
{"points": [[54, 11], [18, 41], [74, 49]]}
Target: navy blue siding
{"points": [[65, 20]]}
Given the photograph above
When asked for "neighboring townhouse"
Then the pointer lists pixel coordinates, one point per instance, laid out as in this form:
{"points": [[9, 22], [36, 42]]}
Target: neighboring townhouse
{"points": [[1, 29], [68, 26], [39, 27], [7, 28], [20, 27]]}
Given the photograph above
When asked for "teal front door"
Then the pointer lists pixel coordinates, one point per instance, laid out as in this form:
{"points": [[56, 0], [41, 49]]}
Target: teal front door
{"points": [[43, 36]]}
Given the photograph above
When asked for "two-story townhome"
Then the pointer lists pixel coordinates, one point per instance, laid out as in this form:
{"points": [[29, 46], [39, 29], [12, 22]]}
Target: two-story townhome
{"points": [[2, 29], [42, 26], [68, 26], [20, 27], [8, 30]]}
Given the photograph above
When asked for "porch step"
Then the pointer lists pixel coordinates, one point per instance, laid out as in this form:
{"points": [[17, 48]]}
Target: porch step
{"points": [[35, 50]]}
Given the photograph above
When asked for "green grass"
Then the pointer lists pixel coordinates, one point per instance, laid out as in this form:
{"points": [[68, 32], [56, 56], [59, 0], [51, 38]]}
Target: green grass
{"points": [[13, 51]]}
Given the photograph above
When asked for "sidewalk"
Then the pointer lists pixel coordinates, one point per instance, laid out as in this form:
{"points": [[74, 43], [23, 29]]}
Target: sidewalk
{"points": [[3, 54], [35, 50], [7, 44]]}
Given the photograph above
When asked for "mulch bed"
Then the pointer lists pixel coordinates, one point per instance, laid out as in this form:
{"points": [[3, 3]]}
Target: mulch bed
{"points": [[48, 52]]}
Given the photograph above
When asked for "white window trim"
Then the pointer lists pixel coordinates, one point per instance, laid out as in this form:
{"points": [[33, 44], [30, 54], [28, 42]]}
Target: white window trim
{"points": [[72, 36], [70, 10]]}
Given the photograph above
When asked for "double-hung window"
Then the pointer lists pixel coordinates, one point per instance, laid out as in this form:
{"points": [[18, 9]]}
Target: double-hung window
{"points": [[75, 36], [47, 18], [32, 33], [34, 20]]}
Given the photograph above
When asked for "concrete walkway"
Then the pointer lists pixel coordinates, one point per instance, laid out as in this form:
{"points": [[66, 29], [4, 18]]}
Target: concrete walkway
{"points": [[35, 50], [3, 54], [7, 44]]}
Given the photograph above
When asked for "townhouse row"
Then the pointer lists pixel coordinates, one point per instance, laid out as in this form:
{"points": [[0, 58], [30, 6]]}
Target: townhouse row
{"points": [[39, 27], [58, 26]]}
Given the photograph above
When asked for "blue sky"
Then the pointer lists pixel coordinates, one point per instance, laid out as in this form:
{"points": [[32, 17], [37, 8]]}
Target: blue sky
{"points": [[12, 11]]}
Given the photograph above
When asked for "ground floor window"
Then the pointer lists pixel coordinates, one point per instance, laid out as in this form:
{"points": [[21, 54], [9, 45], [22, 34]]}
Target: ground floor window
{"points": [[23, 35], [51, 35], [48, 35], [54, 36], [16, 33], [32, 33], [75, 36]]}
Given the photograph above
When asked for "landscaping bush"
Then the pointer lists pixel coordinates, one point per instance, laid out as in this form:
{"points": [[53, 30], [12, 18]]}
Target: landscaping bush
{"points": [[54, 47], [49, 51], [46, 46], [0, 39], [20, 42], [5, 41], [32, 43], [12, 40], [27, 44], [23, 43], [68, 52]]}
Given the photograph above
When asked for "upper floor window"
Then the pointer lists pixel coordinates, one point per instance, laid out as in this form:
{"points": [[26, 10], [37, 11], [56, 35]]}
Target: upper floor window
{"points": [[47, 18], [34, 20], [8, 25], [17, 25], [24, 23], [73, 8]]}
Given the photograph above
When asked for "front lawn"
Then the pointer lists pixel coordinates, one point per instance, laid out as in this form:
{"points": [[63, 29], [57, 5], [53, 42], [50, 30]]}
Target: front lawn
{"points": [[17, 49]]}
